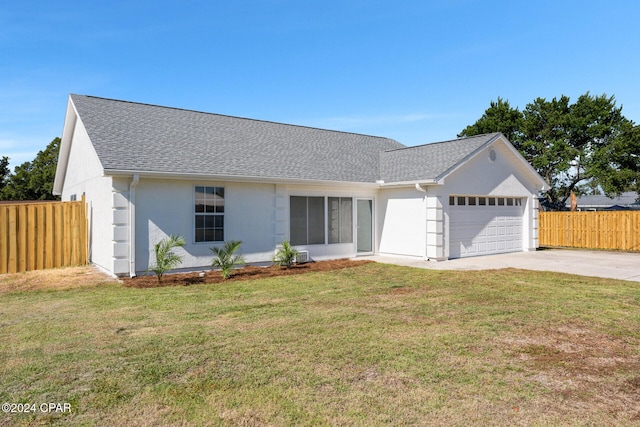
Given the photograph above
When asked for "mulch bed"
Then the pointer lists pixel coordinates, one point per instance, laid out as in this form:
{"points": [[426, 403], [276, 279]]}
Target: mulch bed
{"points": [[245, 273]]}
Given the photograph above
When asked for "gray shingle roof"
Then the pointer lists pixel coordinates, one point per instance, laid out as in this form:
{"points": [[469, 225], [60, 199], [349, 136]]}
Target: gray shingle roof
{"points": [[142, 138], [148, 138], [625, 199], [429, 161]]}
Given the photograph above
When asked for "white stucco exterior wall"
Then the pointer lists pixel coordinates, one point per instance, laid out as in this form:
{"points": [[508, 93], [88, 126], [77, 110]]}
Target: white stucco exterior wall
{"points": [[402, 222], [165, 207], [85, 177], [256, 214], [435, 227]]}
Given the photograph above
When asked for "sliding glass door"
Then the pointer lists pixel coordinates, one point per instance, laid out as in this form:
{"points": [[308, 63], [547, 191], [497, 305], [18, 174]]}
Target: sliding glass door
{"points": [[364, 217]]}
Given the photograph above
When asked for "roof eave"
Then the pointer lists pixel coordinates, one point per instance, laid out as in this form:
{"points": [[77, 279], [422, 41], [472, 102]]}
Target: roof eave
{"points": [[410, 183], [235, 178], [70, 120]]}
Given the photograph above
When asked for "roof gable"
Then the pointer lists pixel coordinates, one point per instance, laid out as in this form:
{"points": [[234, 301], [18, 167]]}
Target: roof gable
{"points": [[429, 161]]}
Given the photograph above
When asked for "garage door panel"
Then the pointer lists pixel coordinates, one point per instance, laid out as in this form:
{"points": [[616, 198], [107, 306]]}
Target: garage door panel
{"points": [[482, 230]]}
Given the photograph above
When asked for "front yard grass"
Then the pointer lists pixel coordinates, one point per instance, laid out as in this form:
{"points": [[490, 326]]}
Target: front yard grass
{"points": [[370, 345]]}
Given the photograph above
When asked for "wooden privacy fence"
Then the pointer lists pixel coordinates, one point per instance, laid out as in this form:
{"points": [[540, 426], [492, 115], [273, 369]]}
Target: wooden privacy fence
{"points": [[593, 230], [35, 236]]}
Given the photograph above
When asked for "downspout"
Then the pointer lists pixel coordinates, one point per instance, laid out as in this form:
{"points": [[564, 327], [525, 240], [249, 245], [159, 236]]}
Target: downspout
{"points": [[424, 190], [132, 225]]}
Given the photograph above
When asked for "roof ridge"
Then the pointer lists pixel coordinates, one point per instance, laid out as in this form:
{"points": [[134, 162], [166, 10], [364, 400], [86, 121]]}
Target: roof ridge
{"points": [[442, 142], [238, 117]]}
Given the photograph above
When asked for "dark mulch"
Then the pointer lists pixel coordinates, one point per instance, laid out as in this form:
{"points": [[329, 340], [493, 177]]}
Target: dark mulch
{"points": [[245, 273]]}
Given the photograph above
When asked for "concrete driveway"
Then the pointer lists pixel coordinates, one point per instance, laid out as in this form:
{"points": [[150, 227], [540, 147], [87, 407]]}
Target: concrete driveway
{"points": [[613, 265]]}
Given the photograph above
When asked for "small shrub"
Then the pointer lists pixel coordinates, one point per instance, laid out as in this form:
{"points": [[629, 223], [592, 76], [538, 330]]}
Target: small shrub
{"points": [[225, 258], [285, 255], [166, 259]]}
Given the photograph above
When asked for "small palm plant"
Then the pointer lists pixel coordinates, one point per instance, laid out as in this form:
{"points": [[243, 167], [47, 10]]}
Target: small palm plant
{"points": [[166, 259], [285, 255], [225, 258]]}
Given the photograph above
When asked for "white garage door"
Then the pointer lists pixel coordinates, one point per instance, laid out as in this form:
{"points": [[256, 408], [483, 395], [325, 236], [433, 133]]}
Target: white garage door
{"points": [[482, 225]]}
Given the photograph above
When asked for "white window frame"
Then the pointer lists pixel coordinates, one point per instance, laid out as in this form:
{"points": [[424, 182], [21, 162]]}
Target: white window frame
{"points": [[217, 214]]}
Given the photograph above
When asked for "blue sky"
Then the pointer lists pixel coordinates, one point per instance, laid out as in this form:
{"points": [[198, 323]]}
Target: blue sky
{"points": [[416, 71]]}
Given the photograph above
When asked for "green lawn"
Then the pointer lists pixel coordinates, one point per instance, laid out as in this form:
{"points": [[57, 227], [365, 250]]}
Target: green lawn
{"points": [[372, 345]]}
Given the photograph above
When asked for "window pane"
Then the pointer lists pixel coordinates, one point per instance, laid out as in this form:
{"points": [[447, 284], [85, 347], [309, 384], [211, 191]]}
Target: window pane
{"points": [[199, 199], [472, 201], [219, 199], [315, 215], [298, 220], [452, 200], [482, 201], [461, 200], [509, 201], [334, 220], [500, 201], [199, 235], [346, 220], [340, 220], [218, 235], [492, 201]]}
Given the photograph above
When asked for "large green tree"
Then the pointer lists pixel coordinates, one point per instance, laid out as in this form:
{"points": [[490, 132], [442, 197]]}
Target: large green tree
{"points": [[34, 180], [574, 147], [4, 172], [499, 117]]}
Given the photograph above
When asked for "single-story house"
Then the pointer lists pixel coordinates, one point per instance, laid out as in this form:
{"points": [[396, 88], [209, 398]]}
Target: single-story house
{"points": [[599, 202], [148, 171]]}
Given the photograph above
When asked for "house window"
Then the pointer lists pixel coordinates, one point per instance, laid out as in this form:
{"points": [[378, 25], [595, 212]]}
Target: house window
{"points": [[472, 201], [482, 201], [307, 220], [492, 201], [500, 201], [340, 220], [209, 211], [461, 200]]}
